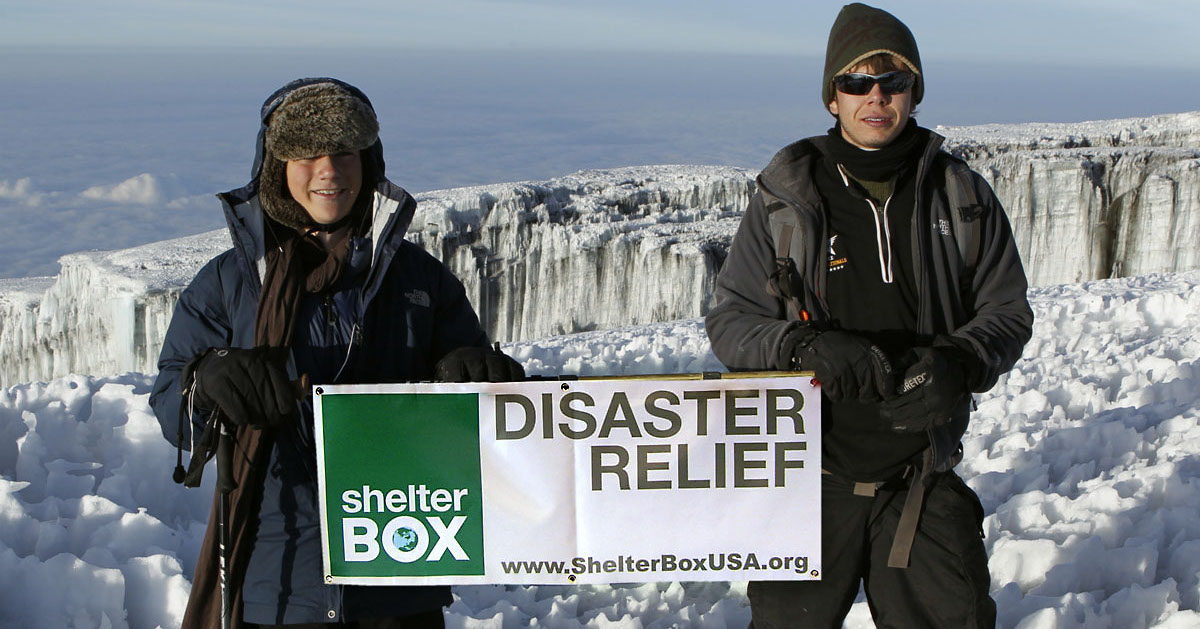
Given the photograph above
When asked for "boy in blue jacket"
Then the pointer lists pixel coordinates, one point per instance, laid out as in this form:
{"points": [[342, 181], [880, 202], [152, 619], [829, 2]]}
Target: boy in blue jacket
{"points": [[320, 281]]}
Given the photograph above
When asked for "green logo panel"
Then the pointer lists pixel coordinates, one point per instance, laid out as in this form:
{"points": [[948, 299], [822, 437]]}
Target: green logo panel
{"points": [[402, 484]]}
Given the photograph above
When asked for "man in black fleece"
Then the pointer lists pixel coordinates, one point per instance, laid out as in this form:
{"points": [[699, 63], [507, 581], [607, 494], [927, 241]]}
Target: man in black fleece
{"points": [[886, 267]]}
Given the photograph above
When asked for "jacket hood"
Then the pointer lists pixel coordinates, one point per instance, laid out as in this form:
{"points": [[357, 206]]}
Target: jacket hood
{"points": [[788, 176]]}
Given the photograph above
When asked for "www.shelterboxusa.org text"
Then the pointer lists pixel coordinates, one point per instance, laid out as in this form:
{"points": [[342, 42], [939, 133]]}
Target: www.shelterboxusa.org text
{"points": [[663, 563]]}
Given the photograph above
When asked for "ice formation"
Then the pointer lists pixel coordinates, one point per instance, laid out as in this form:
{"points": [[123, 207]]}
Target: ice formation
{"points": [[601, 249]]}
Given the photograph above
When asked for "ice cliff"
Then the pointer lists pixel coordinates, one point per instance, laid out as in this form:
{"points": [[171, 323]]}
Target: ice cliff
{"points": [[593, 250], [1094, 200], [603, 249], [105, 313]]}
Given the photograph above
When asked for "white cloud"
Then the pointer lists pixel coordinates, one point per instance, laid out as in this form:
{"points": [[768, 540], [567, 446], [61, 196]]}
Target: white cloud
{"points": [[21, 191], [194, 202], [142, 189]]}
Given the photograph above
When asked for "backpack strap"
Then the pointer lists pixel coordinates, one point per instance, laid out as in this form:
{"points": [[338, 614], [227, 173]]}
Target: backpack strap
{"points": [[964, 210], [783, 280], [910, 515]]}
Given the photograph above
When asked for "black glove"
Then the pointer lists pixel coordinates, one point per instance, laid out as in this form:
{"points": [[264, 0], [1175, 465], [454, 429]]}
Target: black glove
{"points": [[250, 386], [478, 364], [848, 366], [932, 389]]}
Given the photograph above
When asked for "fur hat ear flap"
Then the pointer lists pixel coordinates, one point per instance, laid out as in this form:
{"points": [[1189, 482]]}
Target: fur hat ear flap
{"points": [[276, 199]]}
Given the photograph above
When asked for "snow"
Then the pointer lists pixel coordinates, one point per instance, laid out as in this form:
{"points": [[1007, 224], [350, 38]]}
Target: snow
{"points": [[1180, 130], [1084, 456]]}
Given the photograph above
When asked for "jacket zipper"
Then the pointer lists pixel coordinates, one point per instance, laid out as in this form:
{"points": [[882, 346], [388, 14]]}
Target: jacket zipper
{"points": [[883, 230], [920, 209], [330, 312]]}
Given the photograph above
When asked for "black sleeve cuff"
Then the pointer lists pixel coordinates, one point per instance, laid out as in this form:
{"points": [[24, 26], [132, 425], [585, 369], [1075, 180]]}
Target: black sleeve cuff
{"points": [[960, 351]]}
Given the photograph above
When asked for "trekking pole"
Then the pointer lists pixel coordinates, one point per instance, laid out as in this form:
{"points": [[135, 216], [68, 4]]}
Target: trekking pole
{"points": [[225, 484]]}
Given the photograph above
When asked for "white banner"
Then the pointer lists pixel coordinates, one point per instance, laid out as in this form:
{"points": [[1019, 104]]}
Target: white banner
{"points": [[588, 481]]}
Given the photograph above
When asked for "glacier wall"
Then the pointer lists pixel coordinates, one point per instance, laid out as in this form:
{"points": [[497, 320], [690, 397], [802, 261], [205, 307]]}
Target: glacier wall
{"points": [[603, 249], [593, 250], [1095, 213], [537, 259], [1094, 200], [105, 313]]}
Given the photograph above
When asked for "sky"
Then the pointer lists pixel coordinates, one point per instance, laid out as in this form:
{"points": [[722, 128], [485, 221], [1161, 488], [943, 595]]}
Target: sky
{"points": [[1103, 32], [123, 118]]}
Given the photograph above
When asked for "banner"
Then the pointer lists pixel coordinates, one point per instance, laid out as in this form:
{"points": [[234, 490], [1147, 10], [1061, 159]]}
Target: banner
{"points": [[560, 482]]}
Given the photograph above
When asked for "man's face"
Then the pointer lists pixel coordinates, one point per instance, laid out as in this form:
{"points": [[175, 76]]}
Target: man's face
{"points": [[873, 120], [326, 186]]}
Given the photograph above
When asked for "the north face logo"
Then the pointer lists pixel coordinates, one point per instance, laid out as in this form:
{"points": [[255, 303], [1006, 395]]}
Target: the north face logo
{"points": [[418, 298]]}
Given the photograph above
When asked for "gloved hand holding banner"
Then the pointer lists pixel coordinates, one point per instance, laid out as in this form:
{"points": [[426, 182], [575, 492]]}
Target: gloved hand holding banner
{"points": [[557, 482]]}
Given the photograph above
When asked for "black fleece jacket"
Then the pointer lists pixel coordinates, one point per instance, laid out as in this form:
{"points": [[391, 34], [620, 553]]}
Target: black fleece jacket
{"points": [[972, 295]]}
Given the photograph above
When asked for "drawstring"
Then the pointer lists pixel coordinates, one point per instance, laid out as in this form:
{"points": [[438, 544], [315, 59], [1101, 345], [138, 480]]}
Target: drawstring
{"points": [[186, 412], [179, 472], [204, 448]]}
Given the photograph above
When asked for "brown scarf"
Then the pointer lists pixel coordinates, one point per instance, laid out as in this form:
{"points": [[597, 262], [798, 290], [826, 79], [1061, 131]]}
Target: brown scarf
{"points": [[299, 264]]}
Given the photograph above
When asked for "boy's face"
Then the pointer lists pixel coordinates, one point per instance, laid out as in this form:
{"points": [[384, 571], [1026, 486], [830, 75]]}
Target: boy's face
{"points": [[326, 186], [872, 120]]}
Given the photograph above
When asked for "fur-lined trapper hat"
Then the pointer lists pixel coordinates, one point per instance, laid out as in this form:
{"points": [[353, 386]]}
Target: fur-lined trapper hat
{"points": [[318, 118], [861, 31]]}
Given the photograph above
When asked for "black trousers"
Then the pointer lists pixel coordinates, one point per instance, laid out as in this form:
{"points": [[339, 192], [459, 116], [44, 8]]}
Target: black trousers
{"points": [[425, 620], [945, 585]]}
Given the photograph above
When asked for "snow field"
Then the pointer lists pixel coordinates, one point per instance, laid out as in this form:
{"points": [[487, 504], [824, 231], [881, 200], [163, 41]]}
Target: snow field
{"points": [[1084, 457], [93, 532]]}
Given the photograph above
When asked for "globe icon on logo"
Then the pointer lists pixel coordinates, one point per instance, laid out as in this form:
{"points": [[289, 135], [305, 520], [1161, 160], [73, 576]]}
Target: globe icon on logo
{"points": [[405, 539]]}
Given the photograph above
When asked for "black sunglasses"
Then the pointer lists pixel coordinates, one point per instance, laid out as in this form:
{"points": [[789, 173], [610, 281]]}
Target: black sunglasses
{"points": [[858, 84]]}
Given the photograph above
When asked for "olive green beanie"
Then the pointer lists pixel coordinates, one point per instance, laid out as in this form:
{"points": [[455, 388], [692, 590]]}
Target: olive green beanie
{"points": [[861, 31]]}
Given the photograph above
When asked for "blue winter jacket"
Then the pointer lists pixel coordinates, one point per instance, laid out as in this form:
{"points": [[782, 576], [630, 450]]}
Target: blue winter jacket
{"points": [[394, 313]]}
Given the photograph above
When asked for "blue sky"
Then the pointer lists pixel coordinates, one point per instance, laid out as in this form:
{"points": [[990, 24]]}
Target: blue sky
{"points": [[1107, 32]]}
